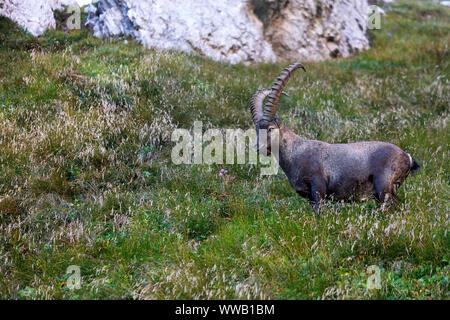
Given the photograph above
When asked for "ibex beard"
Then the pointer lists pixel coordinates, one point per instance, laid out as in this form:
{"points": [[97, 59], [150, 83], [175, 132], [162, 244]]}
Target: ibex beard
{"points": [[318, 170]]}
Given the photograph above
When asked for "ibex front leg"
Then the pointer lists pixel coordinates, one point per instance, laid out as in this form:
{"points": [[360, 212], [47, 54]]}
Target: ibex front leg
{"points": [[318, 190]]}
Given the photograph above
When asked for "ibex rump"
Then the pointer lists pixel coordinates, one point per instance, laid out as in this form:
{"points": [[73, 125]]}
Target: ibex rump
{"points": [[317, 170]]}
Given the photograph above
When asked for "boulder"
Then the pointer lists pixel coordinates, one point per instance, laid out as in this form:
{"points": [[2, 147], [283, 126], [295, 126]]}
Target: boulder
{"points": [[239, 30], [222, 30], [231, 31], [35, 16]]}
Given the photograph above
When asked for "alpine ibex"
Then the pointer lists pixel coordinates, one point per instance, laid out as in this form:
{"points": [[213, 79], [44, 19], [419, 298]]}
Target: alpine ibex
{"points": [[316, 169]]}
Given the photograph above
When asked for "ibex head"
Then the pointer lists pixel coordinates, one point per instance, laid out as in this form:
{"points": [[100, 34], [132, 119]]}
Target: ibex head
{"points": [[267, 120]]}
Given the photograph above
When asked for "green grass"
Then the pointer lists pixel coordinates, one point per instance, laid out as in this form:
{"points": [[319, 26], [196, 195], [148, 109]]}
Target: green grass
{"points": [[86, 177]]}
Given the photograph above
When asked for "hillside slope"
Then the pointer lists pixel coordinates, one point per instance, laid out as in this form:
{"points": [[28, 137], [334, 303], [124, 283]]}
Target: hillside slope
{"points": [[86, 177]]}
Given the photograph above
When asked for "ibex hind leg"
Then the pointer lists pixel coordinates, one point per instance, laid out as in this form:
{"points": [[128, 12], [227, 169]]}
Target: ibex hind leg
{"points": [[384, 191]]}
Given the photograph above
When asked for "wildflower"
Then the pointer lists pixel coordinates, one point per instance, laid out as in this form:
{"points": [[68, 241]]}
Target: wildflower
{"points": [[220, 174], [416, 76], [389, 35]]}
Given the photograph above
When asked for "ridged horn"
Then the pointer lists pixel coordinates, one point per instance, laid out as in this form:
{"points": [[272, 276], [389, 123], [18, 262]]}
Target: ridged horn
{"points": [[256, 104], [270, 109]]}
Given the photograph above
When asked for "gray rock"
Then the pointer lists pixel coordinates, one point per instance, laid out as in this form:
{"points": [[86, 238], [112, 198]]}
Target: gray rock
{"points": [[232, 31], [35, 16], [223, 30], [318, 30], [239, 30]]}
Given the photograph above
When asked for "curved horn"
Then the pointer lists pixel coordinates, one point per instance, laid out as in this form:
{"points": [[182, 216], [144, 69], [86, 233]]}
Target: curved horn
{"points": [[271, 105], [256, 104]]}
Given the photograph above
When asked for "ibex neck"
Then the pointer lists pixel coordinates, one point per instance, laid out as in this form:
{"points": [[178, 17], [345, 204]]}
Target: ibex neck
{"points": [[288, 141]]}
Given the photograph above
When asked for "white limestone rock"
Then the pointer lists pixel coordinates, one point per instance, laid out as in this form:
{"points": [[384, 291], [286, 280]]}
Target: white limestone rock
{"points": [[35, 16], [239, 30], [222, 30], [232, 31]]}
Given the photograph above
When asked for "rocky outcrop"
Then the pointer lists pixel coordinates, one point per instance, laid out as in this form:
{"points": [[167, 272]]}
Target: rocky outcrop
{"points": [[35, 16], [239, 30], [232, 31], [314, 30], [223, 30]]}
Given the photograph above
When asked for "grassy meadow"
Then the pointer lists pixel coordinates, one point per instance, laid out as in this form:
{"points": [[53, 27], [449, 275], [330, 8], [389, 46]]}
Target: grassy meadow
{"points": [[86, 176]]}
